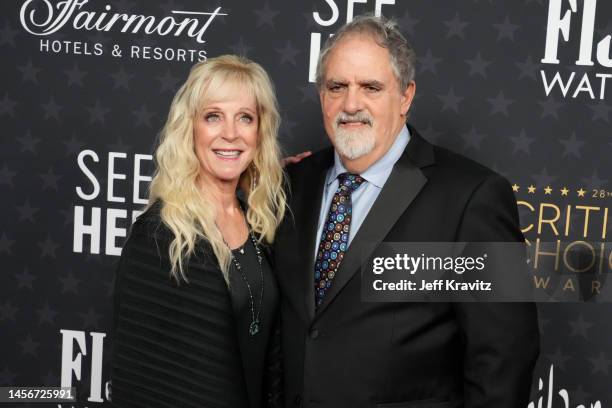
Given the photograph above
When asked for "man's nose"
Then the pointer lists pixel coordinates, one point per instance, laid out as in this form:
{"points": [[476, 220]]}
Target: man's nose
{"points": [[352, 101]]}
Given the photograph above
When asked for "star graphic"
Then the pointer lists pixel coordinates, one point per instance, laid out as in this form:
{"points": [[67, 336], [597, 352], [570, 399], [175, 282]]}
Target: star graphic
{"points": [[124, 6], [558, 359], [8, 34], [29, 346], [26, 211], [170, 5], [69, 283], [431, 134], [29, 72], [288, 53], [428, 63], [91, 319], [120, 146], [73, 145], [550, 107], [168, 82], [531, 189], [547, 190], [97, 113], [564, 191], [506, 30], [143, 116], [6, 175], [594, 182], [121, 79], [7, 105], [7, 377], [472, 139], [28, 143], [515, 188], [478, 65], [241, 48], [52, 109], [528, 68], [450, 101], [309, 93], [75, 75], [601, 111], [522, 142], [46, 314], [5, 244], [543, 179], [407, 24], [50, 379], [579, 327], [600, 364], [50, 179], [456, 27], [25, 279], [581, 192], [8, 311], [48, 247], [265, 16], [500, 104], [286, 128], [572, 146]]}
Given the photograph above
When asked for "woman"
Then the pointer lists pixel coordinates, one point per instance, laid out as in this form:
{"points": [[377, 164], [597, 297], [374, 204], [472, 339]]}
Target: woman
{"points": [[195, 299]]}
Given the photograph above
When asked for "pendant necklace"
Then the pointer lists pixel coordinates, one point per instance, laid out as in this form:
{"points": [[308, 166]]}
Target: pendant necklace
{"points": [[255, 318]]}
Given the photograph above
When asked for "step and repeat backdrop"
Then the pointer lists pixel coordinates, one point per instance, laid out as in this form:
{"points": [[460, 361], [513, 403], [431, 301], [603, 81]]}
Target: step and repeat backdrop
{"points": [[518, 85]]}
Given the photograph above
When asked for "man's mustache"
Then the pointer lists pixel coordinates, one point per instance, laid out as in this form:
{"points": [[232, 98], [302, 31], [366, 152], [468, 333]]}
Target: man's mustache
{"points": [[361, 117]]}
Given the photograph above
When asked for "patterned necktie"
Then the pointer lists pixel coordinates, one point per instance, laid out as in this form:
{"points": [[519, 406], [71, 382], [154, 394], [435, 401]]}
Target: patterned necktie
{"points": [[334, 238]]}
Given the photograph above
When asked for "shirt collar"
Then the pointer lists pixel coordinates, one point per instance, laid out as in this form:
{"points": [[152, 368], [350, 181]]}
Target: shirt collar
{"points": [[379, 172]]}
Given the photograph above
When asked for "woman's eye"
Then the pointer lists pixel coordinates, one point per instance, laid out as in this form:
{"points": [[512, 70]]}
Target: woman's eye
{"points": [[246, 118], [211, 117]]}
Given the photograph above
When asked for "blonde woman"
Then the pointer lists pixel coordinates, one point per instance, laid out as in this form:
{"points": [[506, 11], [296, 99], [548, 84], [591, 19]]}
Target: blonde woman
{"points": [[195, 299]]}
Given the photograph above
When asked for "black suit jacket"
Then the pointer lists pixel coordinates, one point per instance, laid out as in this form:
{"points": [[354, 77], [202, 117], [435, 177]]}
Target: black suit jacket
{"points": [[357, 354]]}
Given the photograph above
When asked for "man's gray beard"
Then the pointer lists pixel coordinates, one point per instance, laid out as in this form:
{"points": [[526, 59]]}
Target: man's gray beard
{"points": [[354, 144]]}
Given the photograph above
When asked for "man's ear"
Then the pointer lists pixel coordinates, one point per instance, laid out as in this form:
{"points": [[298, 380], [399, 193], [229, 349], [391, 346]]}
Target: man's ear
{"points": [[407, 97]]}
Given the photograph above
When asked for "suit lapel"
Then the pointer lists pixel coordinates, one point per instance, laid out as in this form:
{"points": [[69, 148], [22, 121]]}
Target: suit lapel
{"points": [[403, 185], [306, 207]]}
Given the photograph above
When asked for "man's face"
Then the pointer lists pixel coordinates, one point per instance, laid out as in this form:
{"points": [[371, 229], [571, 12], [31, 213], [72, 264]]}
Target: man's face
{"points": [[363, 107]]}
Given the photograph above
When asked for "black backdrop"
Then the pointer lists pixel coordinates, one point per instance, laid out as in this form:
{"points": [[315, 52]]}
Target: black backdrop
{"points": [[79, 122]]}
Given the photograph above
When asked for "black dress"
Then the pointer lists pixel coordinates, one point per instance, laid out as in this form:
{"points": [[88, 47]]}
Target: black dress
{"points": [[189, 345]]}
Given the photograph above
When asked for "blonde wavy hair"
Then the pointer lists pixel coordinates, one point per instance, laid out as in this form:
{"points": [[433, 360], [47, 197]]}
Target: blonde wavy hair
{"points": [[187, 210]]}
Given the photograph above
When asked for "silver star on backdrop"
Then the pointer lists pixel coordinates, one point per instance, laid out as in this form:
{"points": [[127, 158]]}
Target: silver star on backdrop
{"points": [[572, 146], [456, 27], [265, 16], [506, 30], [522, 142], [26, 211], [450, 101], [75, 75], [428, 63], [7, 105], [478, 65], [29, 72], [28, 143], [500, 104]]}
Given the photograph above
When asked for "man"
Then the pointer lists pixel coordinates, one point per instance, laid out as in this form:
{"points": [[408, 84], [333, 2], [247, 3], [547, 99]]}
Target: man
{"points": [[382, 182]]}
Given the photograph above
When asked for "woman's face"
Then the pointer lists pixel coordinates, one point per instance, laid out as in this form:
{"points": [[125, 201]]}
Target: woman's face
{"points": [[225, 136]]}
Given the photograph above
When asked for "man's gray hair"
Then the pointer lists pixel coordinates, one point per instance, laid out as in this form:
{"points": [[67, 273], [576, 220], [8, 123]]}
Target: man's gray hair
{"points": [[386, 34]]}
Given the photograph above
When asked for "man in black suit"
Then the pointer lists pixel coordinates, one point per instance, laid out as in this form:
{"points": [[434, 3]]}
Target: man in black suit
{"points": [[383, 182]]}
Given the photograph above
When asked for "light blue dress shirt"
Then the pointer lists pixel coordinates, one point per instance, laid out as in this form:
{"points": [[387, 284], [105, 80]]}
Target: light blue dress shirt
{"points": [[363, 198]]}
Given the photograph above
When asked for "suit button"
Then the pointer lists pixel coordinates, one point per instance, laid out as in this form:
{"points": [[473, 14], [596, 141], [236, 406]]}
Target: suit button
{"points": [[298, 400], [314, 333]]}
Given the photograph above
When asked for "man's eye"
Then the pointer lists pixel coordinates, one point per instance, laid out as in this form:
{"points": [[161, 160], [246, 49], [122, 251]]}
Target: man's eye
{"points": [[211, 117], [373, 88], [334, 88]]}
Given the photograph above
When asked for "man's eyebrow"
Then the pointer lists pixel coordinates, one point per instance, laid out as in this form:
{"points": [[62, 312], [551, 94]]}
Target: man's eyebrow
{"points": [[331, 82], [372, 82]]}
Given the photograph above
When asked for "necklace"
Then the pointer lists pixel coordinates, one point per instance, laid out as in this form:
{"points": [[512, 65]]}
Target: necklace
{"points": [[255, 318]]}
